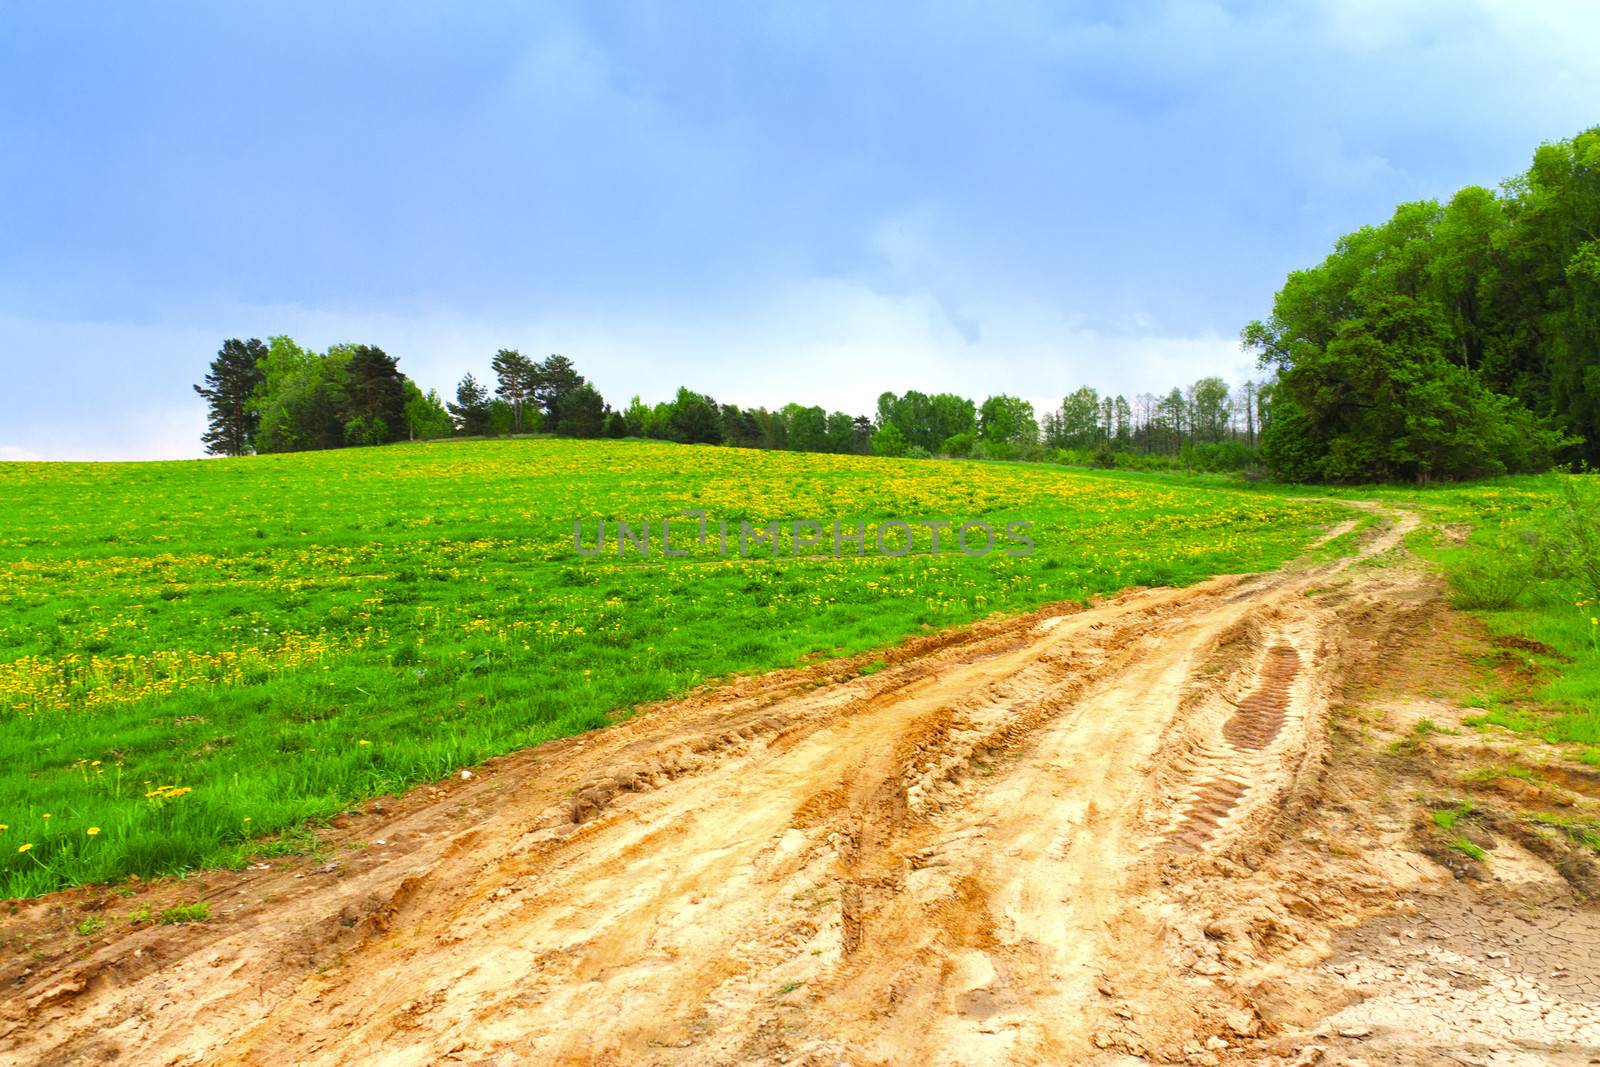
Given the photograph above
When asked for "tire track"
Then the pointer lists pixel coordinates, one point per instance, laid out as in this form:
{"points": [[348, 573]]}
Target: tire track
{"points": [[1260, 715], [1238, 761]]}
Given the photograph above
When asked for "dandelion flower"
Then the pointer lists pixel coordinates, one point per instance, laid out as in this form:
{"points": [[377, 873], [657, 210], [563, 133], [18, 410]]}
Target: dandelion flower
{"points": [[92, 831], [363, 741], [25, 848]]}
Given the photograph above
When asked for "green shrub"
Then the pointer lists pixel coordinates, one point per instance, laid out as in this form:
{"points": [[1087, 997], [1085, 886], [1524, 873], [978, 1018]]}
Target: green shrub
{"points": [[1487, 583], [362, 430], [1493, 578], [959, 444], [1578, 544], [889, 441]]}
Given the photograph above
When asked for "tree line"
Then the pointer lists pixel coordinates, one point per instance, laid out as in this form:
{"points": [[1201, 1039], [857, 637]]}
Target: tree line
{"points": [[1451, 341], [276, 396]]}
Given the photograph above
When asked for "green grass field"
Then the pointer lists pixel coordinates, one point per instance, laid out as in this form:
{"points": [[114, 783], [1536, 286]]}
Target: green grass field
{"points": [[200, 655]]}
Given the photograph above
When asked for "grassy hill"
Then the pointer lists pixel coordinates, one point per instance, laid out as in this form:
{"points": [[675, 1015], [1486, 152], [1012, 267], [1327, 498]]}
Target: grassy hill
{"points": [[199, 654]]}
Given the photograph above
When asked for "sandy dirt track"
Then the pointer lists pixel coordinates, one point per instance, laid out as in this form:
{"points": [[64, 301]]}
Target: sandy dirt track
{"points": [[1053, 839]]}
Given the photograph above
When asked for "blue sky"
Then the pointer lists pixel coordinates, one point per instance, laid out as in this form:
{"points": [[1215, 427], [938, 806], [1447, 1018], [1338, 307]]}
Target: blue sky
{"points": [[766, 202]]}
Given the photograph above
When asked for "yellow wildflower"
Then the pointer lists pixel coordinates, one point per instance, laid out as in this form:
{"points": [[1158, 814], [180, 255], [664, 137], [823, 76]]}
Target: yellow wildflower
{"points": [[91, 831], [25, 848]]}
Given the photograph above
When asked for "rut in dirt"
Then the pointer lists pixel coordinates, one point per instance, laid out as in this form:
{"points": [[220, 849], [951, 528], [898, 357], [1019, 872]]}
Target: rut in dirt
{"points": [[1255, 724], [1260, 715]]}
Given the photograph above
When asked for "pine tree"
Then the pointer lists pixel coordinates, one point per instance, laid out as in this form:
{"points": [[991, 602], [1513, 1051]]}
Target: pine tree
{"points": [[514, 373], [554, 382], [228, 389], [375, 397], [471, 408], [583, 413]]}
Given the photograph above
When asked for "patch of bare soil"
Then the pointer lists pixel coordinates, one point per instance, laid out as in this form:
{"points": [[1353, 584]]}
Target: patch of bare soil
{"points": [[1169, 828]]}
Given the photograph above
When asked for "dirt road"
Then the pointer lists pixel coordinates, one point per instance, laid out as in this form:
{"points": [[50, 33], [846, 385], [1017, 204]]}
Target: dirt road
{"points": [[1054, 839]]}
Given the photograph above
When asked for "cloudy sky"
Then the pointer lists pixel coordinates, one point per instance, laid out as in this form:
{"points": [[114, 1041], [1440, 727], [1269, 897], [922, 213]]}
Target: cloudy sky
{"points": [[766, 202]]}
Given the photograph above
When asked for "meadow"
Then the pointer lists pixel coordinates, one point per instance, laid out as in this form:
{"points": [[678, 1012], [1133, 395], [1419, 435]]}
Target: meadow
{"points": [[198, 657]]}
